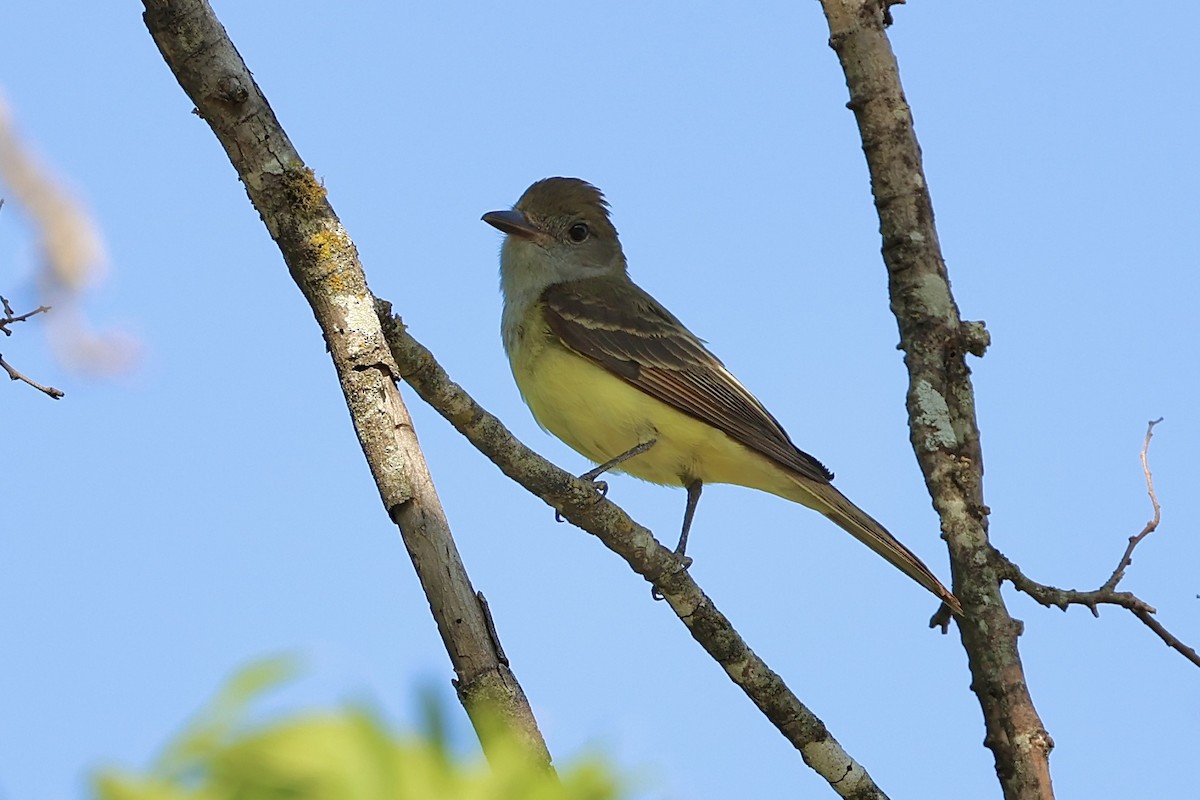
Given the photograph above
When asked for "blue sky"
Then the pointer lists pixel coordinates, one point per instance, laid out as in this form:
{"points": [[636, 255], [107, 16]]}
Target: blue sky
{"points": [[212, 506]]}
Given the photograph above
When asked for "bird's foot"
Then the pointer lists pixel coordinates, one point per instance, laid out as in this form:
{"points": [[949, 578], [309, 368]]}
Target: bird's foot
{"points": [[601, 488], [682, 565], [941, 619]]}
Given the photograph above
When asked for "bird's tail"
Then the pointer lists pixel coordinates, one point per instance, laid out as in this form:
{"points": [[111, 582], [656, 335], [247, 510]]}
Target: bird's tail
{"points": [[829, 501]]}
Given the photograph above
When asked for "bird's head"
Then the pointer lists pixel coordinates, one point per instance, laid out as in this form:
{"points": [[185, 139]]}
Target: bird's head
{"points": [[558, 231]]}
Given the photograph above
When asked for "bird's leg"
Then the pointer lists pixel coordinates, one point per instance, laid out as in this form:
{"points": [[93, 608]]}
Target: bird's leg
{"points": [[693, 499], [636, 450], [693, 491], [602, 487]]}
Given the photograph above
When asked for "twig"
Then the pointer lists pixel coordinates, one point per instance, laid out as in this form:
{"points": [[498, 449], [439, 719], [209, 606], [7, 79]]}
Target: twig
{"points": [[1170, 640], [1151, 526], [1049, 595], [17, 376], [1107, 593], [1062, 598], [9, 317]]}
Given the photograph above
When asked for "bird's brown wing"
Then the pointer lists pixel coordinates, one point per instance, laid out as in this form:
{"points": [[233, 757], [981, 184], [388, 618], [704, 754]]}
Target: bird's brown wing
{"points": [[625, 330]]}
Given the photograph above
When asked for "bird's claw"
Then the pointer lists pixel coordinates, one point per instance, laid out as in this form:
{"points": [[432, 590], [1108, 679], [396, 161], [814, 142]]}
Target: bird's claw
{"points": [[601, 488], [684, 563]]}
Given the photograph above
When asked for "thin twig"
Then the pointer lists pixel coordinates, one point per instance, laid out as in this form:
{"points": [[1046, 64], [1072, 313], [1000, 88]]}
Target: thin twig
{"points": [[18, 376], [1170, 640], [324, 263], [1107, 593], [1127, 558], [9, 317]]}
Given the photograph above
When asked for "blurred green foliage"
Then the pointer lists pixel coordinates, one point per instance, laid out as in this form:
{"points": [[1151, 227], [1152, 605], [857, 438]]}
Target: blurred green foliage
{"points": [[342, 755]]}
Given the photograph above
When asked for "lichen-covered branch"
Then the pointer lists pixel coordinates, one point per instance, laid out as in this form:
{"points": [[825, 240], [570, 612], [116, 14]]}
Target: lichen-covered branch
{"points": [[324, 263], [943, 429], [578, 501]]}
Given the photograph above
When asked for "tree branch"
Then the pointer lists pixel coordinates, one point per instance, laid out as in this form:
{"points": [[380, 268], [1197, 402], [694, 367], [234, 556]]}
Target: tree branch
{"points": [[944, 433], [1169, 639], [1107, 593], [579, 503], [53, 393], [8, 319], [324, 263]]}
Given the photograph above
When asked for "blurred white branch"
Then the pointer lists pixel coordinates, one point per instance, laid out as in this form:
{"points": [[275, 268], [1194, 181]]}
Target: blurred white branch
{"points": [[72, 256]]}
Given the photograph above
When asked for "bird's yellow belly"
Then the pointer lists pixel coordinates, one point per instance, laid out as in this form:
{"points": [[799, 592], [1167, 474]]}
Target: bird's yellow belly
{"points": [[601, 416]]}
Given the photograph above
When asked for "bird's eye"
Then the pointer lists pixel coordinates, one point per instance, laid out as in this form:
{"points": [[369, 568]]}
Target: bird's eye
{"points": [[578, 232]]}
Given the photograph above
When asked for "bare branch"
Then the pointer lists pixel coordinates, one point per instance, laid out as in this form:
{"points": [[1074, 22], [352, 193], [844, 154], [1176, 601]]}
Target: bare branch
{"points": [[1169, 639], [1062, 598], [17, 376], [324, 263], [578, 501], [1107, 593], [941, 400], [1151, 526], [9, 318]]}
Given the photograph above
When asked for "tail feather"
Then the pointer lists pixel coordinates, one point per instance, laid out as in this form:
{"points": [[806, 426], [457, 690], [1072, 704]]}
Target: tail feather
{"points": [[859, 524]]}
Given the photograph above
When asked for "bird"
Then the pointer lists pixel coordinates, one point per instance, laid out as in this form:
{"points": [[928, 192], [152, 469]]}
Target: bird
{"points": [[611, 372]]}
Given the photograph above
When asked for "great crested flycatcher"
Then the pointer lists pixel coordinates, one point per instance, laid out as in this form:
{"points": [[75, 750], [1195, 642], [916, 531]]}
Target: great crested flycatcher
{"points": [[607, 369]]}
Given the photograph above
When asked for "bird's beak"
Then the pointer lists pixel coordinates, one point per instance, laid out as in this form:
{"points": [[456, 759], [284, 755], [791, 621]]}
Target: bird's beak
{"points": [[512, 222]]}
